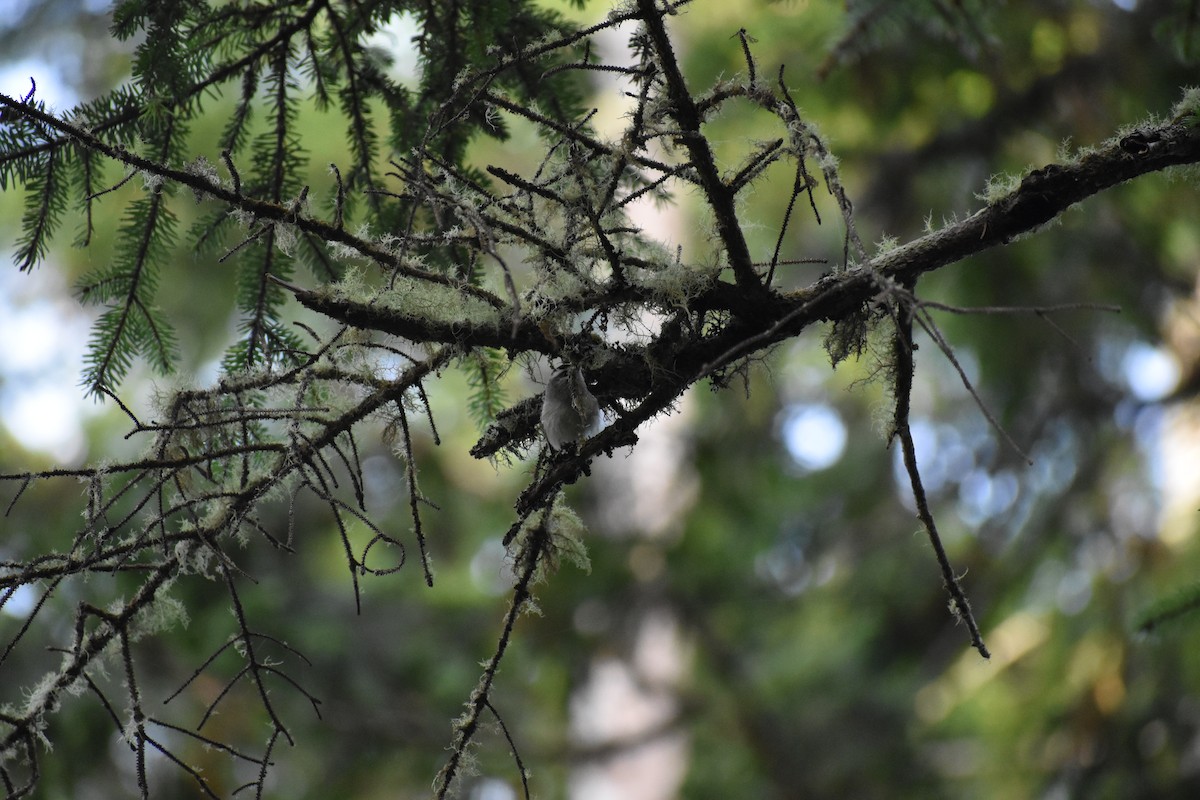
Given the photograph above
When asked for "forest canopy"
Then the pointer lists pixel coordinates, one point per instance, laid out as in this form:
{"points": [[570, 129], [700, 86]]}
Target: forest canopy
{"points": [[888, 310]]}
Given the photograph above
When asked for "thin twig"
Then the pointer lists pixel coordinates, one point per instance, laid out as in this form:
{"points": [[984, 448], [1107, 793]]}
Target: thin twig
{"points": [[513, 747], [530, 560], [928, 325], [902, 351]]}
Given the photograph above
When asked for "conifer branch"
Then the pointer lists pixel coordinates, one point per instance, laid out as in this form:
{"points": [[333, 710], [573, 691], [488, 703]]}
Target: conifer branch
{"points": [[477, 266]]}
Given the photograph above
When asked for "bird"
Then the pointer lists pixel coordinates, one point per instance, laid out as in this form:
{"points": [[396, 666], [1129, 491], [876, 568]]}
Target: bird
{"points": [[570, 412]]}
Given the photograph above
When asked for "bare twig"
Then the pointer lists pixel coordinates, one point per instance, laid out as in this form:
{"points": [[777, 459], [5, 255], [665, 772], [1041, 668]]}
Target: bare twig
{"points": [[902, 351]]}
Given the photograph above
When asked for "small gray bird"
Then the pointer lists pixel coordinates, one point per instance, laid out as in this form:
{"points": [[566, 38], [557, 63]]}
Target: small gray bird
{"points": [[570, 412]]}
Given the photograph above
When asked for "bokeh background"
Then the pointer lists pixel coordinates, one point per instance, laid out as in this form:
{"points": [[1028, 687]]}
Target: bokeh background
{"points": [[762, 616]]}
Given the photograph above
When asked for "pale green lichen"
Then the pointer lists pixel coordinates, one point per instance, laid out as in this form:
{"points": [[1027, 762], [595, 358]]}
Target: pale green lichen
{"points": [[566, 531], [286, 238], [202, 168], [1067, 154], [40, 700], [999, 187], [419, 300], [164, 613], [192, 558], [1187, 110], [886, 244], [554, 286], [676, 285]]}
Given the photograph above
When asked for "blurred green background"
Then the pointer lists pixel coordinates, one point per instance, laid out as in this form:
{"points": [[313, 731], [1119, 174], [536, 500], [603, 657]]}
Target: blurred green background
{"points": [[762, 617]]}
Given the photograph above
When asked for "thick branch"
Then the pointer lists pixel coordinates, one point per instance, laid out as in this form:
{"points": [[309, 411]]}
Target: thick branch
{"points": [[500, 333], [1043, 194]]}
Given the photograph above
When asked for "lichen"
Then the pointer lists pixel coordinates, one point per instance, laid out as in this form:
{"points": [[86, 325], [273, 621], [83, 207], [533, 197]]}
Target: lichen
{"points": [[677, 284], [999, 187], [886, 244], [436, 303], [162, 614], [1187, 110]]}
